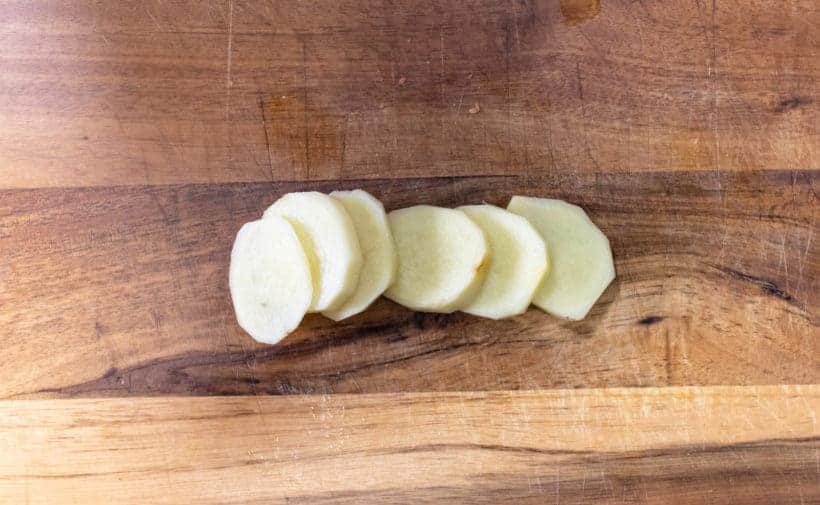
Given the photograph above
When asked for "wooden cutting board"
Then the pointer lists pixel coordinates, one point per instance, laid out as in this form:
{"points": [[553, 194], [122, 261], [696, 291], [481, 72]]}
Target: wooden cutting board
{"points": [[135, 139]]}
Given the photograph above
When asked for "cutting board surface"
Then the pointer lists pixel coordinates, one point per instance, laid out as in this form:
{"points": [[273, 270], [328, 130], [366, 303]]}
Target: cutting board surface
{"points": [[135, 139]]}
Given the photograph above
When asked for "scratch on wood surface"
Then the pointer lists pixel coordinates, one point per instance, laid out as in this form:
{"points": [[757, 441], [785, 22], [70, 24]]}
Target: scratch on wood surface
{"points": [[579, 81], [515, 24], [26, 481], [305, 105], [249, 360], [604, 64], [342, 175], [550, 148], [713, 77], [441, 57], [669, 366], [604, 479], [784, 261], [228, 79], [267, 137], [508, 96], [154, 19], [805, 255]]}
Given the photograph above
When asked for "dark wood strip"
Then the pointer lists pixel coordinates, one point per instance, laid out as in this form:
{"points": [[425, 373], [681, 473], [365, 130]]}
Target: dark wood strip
{"points": [[222, 91], [123, 291]]}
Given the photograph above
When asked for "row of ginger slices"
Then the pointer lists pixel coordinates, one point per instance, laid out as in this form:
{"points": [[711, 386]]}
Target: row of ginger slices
{"points": [[336, 253]]}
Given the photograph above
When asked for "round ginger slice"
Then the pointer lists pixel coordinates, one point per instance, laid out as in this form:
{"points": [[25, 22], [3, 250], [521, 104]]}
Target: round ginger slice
{"points": [[519, 262], [378, 250], [443, 256], [580, 256], [269, 279], [329, 239]]}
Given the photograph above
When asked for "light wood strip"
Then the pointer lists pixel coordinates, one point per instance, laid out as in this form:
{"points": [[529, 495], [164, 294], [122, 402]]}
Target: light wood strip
{"points": [[744, 445]]}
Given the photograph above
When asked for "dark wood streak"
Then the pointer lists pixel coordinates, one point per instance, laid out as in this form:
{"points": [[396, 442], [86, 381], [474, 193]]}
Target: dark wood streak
{"points": [[790, 103], [172, 372], [126, 473], [592, 456], [650, 320], [757, 472], [485, 447], [568, 458], [766, 286], [135, 380]]}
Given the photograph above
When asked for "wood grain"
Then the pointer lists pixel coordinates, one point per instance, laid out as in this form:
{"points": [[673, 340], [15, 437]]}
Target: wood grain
{"points": [[741, 445], [223, 91], [123, 291]]}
